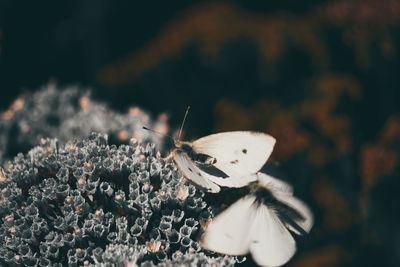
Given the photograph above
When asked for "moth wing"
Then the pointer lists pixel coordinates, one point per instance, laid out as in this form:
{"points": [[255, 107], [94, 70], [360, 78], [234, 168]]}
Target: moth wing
{"points": [[229, 232], [271, 243], [239, 153], [193, 173]]}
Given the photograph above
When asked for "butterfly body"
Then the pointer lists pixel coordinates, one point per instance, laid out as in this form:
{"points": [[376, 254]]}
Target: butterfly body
{"points": [[186, 147]]}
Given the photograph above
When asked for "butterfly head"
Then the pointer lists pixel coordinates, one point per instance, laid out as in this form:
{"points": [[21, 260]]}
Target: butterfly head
{"points": [[178, 143]]}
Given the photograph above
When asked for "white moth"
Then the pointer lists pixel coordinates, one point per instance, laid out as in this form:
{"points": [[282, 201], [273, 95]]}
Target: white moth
{"points": [[259, 224], [230, 159]]}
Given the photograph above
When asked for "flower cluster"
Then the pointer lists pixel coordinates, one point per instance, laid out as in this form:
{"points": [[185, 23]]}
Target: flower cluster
{"points": [[91, 203], [67, 113]]}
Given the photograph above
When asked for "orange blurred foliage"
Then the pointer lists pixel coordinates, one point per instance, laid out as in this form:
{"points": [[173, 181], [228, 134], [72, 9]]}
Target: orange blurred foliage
{"points": [[211, 25], [264, 116], [330, 87], [337, 215], [286, 124], [378, 160], [364, 23], [391, 131]]}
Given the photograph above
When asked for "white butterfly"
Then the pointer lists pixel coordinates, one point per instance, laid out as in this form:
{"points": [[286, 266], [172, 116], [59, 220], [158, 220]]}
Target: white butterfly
{"points": [[259, 223], [230, 159]]}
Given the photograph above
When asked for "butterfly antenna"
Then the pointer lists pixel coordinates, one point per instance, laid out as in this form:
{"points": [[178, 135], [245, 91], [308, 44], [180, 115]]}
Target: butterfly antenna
{"points": [[183, 122], [151, 130]]}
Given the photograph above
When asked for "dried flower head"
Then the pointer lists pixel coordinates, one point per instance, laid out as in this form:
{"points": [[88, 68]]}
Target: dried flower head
{"points": [[182, 193], [153, 245], [96, 194]]}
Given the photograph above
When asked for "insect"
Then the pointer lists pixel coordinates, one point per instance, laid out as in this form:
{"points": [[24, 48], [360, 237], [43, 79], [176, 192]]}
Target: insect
{"points": [[229, 159], [259, 223]]}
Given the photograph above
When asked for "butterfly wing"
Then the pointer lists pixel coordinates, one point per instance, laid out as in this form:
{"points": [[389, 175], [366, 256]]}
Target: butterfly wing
{"points": [[246, 226], [192, 172], [228, 233], [284, 193], [275, 184], [306, 220], [238, 154], [234, 181], [271, 243]]}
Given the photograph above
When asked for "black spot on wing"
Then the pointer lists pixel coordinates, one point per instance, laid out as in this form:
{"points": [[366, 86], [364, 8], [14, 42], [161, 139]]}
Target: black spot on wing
{"points": [[244, 151], [234, 161], [211, 170], [190, 169]]}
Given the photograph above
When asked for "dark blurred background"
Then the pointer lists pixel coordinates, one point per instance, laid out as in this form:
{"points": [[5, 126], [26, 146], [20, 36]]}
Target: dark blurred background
{"points": [[320, 76]]}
